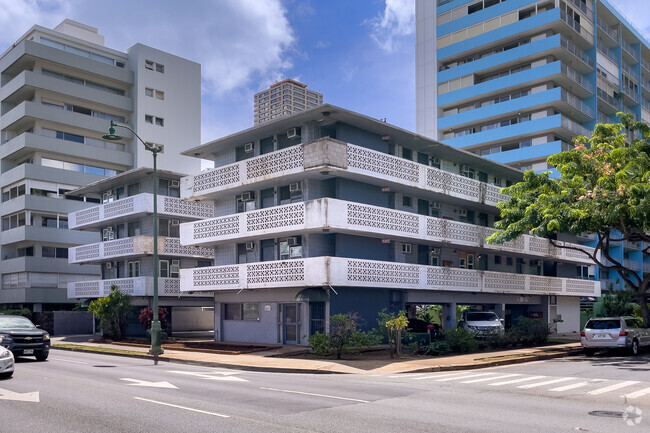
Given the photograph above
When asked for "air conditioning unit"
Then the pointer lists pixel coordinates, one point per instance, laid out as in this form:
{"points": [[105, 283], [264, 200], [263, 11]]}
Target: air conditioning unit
{"points": [[435, 251], [176, 262], [247, 196], [175, 222], [540, 263], [292, 241], [435, 205], [406, 248], [464, 167], [292, 133], [462, 212], [250, 246], [175, 184], [248, 147], [295, 187], [108, 265]]}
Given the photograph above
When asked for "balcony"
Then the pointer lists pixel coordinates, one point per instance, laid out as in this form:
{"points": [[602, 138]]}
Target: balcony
{"points": [[629, 50], [140, 204], [134, 246], [138, 286], [577, 27], [345, 272], [333, 157], [630, 71], [634, 96], [577, 52], [338, 216], [612, 32]]}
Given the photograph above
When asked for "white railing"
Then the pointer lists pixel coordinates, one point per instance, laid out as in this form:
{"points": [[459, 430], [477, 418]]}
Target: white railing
{"points": [[352, 159], [138, 286], [139, 204], [346, 272], [573, 49], [576, 102], [133, 246], [575, 127], [577, 77], [362, 219]]}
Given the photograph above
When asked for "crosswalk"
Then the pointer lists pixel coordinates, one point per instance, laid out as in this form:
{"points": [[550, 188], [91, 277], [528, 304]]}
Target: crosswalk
{"points": [[628, 389]]}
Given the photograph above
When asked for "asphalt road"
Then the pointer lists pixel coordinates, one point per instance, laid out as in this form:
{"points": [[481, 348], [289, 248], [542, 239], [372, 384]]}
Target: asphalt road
{"points": [[81, 392]]}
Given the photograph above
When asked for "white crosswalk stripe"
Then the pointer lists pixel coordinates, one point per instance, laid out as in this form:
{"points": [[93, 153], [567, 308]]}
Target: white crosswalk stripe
{"points": [[522, 379], [637, 394], [464, 377], [613, 387], [485, 379], [568, 387], [547, 382]]}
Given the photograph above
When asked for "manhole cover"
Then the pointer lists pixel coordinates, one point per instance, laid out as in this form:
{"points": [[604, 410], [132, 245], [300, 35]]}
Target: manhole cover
{"points": [[104, 366], [612, 414]]}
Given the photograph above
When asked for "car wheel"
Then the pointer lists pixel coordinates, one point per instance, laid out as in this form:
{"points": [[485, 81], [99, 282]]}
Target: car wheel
{"points": [[635, 347], [42, 357], [590, 352]]}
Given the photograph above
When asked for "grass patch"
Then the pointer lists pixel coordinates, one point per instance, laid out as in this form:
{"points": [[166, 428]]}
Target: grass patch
{"points": [[79, 348]]}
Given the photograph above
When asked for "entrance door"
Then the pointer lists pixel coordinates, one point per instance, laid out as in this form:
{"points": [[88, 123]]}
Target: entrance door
{"points": [[290, 320], [316, 317]]}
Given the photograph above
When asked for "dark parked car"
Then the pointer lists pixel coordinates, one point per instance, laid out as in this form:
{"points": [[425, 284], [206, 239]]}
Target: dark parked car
{"points": [[23, 338]]}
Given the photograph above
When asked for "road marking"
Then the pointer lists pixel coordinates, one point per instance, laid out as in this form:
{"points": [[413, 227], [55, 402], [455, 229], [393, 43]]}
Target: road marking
{"points": [[636, 394], [467, 376], [315, 395], [139, 382], [613, 387], [224, 375], [436, 376], [546, 382], [568, 387], [67, 360], [522, 379], [32, 397], [182, 407], [485, 379]]}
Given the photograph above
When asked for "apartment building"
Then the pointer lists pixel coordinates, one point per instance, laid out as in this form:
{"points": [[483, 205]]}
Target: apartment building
{"points": [[516, 80], [123, 226], [283, 98], [332, 212], [59, 89]]}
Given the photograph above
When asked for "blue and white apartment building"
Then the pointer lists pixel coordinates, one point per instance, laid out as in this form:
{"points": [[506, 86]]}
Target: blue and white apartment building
{"points": [[328, 211], [516, 80]]}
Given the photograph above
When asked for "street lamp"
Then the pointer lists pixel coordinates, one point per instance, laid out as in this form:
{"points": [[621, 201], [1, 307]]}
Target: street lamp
{"points": [[156, 330]]}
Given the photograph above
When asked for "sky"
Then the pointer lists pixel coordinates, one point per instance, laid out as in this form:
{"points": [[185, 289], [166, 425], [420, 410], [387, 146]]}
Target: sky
{"points": [[360, 54]]}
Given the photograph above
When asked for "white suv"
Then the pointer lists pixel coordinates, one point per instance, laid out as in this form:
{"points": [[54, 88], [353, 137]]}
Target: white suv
{"points": [[481, 322]]}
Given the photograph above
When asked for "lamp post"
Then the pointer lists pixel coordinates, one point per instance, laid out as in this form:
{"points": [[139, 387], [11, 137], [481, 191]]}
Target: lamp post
{"points": [[156, 330]]}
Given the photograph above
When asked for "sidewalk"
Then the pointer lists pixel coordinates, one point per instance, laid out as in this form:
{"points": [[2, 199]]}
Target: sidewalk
{"points": [[279, 359]]}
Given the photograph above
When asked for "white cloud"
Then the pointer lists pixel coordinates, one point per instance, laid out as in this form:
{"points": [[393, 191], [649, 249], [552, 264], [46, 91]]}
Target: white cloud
{"points": [[630, 9], [397, 21], [18, 16]]}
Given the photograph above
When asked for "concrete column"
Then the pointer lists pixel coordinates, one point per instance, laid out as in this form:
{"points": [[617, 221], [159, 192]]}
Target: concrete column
{"points": [[500, 310], [449, 315]]}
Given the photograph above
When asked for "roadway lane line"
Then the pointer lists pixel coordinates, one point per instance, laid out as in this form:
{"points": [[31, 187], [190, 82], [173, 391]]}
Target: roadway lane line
{"points": [[568, 387], [546, 382], [636, 394], [66, 360], [467, 376], [523, 379], [485, 379], [437, 376], [315, 395], [613, 387], [182, 407]]}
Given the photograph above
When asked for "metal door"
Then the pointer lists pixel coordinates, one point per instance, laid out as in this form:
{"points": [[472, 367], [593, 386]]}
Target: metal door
{"points": [[291, 323]]}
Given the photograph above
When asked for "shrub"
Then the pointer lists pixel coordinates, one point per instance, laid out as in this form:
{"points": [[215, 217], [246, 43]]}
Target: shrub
{"points": [[528, 331], [18, 312], [438, 348], [460, 340], [112, 311], [146, 317], [344, 337]]}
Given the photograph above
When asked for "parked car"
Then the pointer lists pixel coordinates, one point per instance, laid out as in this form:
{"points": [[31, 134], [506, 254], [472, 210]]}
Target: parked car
{"points": [[614, 332], [482, 323], [6, 362], [23, 338]]}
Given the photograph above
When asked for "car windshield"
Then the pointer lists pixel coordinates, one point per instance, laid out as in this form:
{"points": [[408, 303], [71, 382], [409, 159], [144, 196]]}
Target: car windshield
{"points": [[15, 322], [603, 324], [482, 317]]}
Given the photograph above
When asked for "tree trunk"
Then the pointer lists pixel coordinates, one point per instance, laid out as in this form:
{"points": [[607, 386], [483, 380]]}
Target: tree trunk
{"points": [[643, 303]]}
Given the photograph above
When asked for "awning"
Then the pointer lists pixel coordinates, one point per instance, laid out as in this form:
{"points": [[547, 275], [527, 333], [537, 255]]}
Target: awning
{"points": [[313, 294]]}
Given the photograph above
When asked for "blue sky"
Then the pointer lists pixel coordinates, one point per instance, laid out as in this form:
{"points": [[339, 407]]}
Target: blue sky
{"points": [[359, 53]]}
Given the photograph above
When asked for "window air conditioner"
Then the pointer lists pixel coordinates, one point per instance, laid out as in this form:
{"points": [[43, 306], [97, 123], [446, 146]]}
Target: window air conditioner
{"points": [[406, 248], [175, 222], [292, 133], [250, 246], [462, 212], [295, 187], [435, 205], [174, 184], [248, 147], [109, 265], [292, 241], [247, 196], [435, 251], [176, 262]]}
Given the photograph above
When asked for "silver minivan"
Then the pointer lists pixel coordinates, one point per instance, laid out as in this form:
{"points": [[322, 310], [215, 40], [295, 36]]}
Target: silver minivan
{"points": [[614, 332]]}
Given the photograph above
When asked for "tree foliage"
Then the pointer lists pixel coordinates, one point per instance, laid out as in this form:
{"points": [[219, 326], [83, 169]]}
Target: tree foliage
{"points": [[112, 311], [604, 189], [146, 317], [344, 337]]}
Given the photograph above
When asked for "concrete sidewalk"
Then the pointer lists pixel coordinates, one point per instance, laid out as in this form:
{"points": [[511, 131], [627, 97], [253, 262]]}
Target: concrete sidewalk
{"points": [[280, 359]]}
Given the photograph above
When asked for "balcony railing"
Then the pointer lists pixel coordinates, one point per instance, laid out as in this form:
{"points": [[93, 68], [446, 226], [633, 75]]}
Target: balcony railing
{"points": [[583, 8], [328, 154], [138, 286], [348, 217], [635, 265], [628, 48], [630, 71], [570, 47], [607, 52], [611, 31], [576, 102], [575, 127], [133, 246], [346, 272], [138, 204], [578, 78], [631, 93], [612, 101], [576, 26], [646, 64]]}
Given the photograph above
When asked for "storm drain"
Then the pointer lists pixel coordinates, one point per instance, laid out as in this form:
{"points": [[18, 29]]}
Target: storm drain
{"points": [[104, 366], [613, 414]]}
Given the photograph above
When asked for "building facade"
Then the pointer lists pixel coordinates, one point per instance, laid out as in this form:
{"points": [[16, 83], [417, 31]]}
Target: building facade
{"points": [[283, 98], [355, 215], [515, 81], [123, 225], [59, 89]]}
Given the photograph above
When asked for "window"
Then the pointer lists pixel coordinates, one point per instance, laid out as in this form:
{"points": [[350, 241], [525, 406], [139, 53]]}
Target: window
{"points": [[163, 268], [174, 269], [133, 269], [160, 121], [160, 94], [148, 118], [149, 64], [407, 201], [59, 253], [134, 228], [160, 68], [244, 311], [497, 260], [148, 92], [13, 221], [26, 252], [509, 261]]}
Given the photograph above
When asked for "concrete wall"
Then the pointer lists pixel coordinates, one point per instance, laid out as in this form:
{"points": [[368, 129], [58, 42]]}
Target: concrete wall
{"points": [[192, 319], [569, 308]]}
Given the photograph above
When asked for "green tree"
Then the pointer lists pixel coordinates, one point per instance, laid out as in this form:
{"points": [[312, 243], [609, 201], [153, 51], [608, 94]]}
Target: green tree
{"points": [[617, 303], [395, 327], [112, 311], [604, 189], [344, 336]]}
